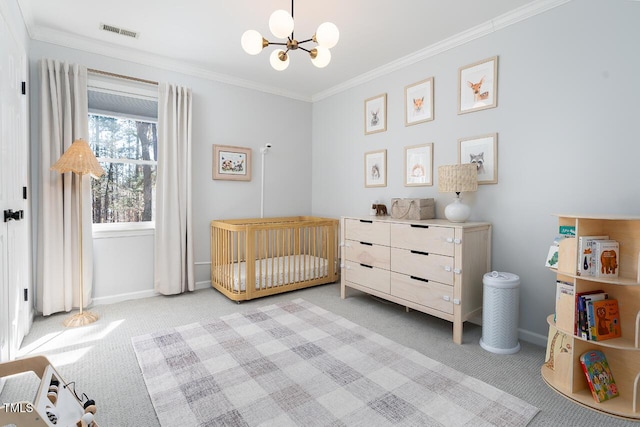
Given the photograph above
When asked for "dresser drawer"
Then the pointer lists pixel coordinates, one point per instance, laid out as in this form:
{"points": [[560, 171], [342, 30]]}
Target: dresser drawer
{"points": [[367, 253], [431, 239], [430, 294], [367, 231], [371, 277], [425, 265]]}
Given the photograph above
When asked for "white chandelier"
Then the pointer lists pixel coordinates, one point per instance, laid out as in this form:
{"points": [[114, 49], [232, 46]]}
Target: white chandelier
{"points": [[281, 25]]}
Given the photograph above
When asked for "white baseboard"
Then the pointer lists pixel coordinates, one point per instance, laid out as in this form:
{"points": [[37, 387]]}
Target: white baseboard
{"points": [[532, 337], [112, 299]]}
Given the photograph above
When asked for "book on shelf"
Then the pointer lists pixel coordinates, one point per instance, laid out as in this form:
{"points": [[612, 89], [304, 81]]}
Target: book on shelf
{"points": [[588, 314], [552, 255], [581, 327], [604, 319], [586, 266], [565, 306], [606, 254], [567, 230], [598, 374]]}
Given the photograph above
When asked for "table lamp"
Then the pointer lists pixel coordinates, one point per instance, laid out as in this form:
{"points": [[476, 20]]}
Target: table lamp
{"points": [[457, 179]]}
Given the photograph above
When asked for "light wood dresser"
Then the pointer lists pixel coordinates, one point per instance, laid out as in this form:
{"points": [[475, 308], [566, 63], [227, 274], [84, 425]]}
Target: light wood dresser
{"points": [[433, 266]]}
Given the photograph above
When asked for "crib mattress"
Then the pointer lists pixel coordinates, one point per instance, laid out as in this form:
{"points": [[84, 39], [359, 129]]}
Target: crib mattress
{"points": [[275, 271]]}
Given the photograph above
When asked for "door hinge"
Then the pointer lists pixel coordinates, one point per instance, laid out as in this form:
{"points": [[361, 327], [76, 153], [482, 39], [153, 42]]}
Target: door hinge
{"points": [[26, 294], [24, 88]]}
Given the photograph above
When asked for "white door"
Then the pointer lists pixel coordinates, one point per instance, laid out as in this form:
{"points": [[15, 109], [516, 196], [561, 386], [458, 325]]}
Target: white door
{"points": [[14, 218]]}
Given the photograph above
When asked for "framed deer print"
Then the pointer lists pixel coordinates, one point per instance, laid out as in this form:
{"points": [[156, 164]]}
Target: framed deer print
{"points": [[418, 102], [483, 152], [375, 114], [418, 165], [231, 163], [375, 168], [478, 86]]}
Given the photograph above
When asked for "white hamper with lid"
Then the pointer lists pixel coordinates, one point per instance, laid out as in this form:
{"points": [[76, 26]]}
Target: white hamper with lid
{"points": [[500, 308]]}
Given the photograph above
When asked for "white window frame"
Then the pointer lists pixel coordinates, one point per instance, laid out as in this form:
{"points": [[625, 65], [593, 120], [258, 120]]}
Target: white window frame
{"points": [[133, 89]]}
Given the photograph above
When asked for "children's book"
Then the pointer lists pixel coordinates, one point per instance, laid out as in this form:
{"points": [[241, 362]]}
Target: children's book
{"points": [[565, 306], [606, 255], [582, 325], [605, 319], [588, 309], [599, 377], [585, 254]]}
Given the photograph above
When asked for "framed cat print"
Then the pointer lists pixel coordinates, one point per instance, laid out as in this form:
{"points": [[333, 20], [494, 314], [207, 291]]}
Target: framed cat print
{"points": [[375, 114], [418, 102], [375, 168], [483, 152], [418, 165], [478, 86]]}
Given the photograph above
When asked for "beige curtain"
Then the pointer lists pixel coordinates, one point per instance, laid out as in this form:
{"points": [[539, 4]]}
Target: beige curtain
{"points": [[174, 267], [63, 119]]}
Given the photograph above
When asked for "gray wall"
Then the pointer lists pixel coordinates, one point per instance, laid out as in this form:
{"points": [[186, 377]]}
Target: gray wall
{"points": [[568, 108], [223, 114]]}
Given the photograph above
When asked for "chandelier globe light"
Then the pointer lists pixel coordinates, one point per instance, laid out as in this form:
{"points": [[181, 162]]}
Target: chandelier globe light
{"points": [[281, 25]]}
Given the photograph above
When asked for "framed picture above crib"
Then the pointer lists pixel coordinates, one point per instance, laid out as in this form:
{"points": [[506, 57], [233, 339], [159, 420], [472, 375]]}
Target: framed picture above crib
{"points": [[231, 163]]}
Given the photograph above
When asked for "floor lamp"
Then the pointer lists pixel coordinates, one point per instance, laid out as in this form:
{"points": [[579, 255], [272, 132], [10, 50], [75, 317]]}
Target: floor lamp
{"points": [[80, 160]]}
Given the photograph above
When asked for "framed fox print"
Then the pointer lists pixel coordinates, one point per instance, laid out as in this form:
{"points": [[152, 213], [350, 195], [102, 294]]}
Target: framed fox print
{"points": [[478, 86], [418, 102], [375, 114]]}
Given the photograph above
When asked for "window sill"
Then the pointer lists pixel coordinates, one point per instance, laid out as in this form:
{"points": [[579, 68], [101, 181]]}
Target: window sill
{"points": [[126, 229]]}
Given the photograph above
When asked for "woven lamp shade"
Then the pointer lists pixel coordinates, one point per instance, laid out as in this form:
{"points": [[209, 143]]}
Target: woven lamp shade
{"points": [[457, 178], [79, 159]]}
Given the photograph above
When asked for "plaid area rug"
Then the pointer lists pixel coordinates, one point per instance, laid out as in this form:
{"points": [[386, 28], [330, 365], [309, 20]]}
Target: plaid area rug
{"points": [[296, 364]]}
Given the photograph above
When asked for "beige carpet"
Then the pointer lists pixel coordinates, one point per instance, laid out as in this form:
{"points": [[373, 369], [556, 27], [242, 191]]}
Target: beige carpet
{"points": [[294, 363]]}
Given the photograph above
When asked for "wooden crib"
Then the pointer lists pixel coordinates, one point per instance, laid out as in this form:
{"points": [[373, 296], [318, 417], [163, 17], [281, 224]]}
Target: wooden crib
{"points": [[252, 258]]}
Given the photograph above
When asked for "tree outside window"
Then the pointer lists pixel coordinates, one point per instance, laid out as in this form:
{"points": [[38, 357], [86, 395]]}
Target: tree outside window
{"points": [[127, 150]]}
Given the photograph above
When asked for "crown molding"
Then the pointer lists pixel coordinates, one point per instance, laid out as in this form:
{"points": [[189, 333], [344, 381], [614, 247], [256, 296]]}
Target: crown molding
{"points": [[92, 46], [525, 12], [133, 55]]}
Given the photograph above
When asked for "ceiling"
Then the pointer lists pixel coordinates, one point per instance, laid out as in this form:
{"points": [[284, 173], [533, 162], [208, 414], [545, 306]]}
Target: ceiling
{"points": [[202, 37]]}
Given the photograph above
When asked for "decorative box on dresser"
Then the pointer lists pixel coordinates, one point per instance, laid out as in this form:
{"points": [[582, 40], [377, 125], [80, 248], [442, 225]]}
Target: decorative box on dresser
{"points": [[562, 369], [433, 266]]}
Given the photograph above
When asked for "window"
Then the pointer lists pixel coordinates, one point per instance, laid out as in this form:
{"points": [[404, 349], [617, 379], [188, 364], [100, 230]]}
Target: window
{"points": [[123, 135]]}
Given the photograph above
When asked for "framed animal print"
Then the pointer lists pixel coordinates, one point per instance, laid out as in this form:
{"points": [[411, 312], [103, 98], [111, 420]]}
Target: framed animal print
{"points": [[478, 86], [375, 114], [418, 165], [375, 168], [483, 152], [231, 163], [418, 101]]}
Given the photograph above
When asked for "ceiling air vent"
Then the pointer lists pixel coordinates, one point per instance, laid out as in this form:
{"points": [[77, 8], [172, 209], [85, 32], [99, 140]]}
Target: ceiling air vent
{"points": [[117, 30]]}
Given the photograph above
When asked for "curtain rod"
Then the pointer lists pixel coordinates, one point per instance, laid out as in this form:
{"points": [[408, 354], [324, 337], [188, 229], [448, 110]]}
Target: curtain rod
{"points": [[106, 73]]}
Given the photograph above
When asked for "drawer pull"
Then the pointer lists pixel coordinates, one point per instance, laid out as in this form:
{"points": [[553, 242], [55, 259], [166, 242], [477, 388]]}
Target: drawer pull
{"points": [[449, 239], [447, 268], [366, 221], [420, 253], [365, 265], [419, 226], [419, 278], [366, 243], [457, 270]]}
